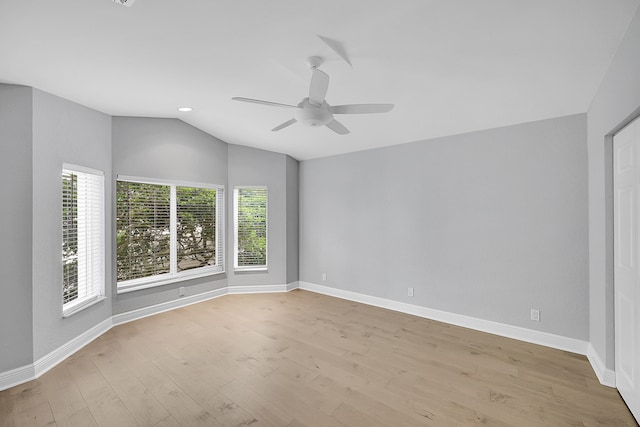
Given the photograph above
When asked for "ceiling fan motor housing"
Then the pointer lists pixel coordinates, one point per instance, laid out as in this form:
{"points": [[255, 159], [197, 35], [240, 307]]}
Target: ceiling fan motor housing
{"points": [[313, 115]]}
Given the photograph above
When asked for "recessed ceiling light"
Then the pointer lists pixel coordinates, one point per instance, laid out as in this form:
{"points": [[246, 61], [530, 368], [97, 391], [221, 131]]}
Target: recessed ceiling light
{"points": [[185, 109]]}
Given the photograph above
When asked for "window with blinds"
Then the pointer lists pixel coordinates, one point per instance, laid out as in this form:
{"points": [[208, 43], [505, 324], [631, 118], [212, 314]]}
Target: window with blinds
{"points": [[83, 250], [250, 228], [142, 230], [166, 232], [196, 227]]}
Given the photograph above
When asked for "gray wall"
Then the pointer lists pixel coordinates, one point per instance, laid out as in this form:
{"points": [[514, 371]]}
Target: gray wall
{"points": [[63, 132], [250, 166], [166, 149], [16, 332], [615, 104], [292, 220], [488, 224]]}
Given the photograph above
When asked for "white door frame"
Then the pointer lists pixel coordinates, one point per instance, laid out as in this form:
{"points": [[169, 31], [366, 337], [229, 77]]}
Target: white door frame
{"points": [[626, 219]]}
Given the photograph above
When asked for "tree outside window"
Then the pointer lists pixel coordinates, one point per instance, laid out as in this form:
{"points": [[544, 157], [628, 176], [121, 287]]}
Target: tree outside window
{"points": [[250, 227]]}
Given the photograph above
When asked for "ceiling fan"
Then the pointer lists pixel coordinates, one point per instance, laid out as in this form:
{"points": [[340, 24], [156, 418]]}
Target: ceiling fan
{"points": [[314, 110]]}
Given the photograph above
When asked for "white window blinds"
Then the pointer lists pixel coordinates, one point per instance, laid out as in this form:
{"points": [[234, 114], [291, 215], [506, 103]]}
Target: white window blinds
{"points": [[143, 229], [196, 227], [166, 232], [83, 250], [250, 227]]}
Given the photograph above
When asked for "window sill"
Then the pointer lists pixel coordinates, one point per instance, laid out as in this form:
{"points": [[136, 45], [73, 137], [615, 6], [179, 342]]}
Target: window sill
{"points": [[262, 269], [146, 284], [70, 311]]}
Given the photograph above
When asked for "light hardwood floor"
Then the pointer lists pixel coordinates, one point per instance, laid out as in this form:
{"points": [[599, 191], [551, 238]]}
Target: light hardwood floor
{"points": [[304, 359]]}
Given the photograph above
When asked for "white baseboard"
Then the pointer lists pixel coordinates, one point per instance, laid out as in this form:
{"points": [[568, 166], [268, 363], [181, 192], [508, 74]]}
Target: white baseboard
{"points": [[536, 337], [605, 376], [130, 316], [257, 289], [16, 376], [32, 371], [47, 362]]}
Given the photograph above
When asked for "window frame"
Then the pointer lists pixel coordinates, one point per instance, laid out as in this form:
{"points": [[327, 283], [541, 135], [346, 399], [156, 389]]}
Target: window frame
{"points": [[236, 267], [175, 276], [95, 292]]}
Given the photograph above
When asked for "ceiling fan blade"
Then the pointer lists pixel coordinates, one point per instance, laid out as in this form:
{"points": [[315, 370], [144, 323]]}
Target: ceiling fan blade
{"points": [[319, 86], [361, 108], [337, 47], [337, 127], [258, 101], [284, 125]]}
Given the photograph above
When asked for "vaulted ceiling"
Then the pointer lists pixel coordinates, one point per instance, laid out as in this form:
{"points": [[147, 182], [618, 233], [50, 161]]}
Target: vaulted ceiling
{"points": [[449, 67]]}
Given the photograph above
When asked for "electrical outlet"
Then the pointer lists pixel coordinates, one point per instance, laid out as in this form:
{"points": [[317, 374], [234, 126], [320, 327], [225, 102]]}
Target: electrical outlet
{"points": [[410, 292], [181, 291], [535, 314], [324, 277]]}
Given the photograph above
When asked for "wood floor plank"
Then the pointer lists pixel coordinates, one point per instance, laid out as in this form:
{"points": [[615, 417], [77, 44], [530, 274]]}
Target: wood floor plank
{"points": [[256, 404], [328, 364], [106, 407], [81, 418], [7, 418], [66, 401], [290, 400], [31, 406], [350, 416], [228, 412], [181, 407], [144, 407], [198, 374], [368, 405], [304, 359], [168, 422]]}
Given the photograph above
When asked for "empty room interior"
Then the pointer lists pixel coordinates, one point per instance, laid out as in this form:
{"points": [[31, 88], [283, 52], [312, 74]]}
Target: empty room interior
{"points": [[300, 213]]}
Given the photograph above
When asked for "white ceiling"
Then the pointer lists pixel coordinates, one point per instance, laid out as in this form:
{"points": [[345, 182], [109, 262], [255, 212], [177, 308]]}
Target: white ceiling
{"points": [[449, 66]]}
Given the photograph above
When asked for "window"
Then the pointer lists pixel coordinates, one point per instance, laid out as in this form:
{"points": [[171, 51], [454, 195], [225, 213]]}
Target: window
{"points": [[143, 230], [83, 251], [196, 227], [250, 228], [167, 232]]}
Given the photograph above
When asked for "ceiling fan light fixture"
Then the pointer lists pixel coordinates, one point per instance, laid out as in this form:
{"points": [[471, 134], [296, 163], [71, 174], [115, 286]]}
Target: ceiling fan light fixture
{"points": [[312, 115]]}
